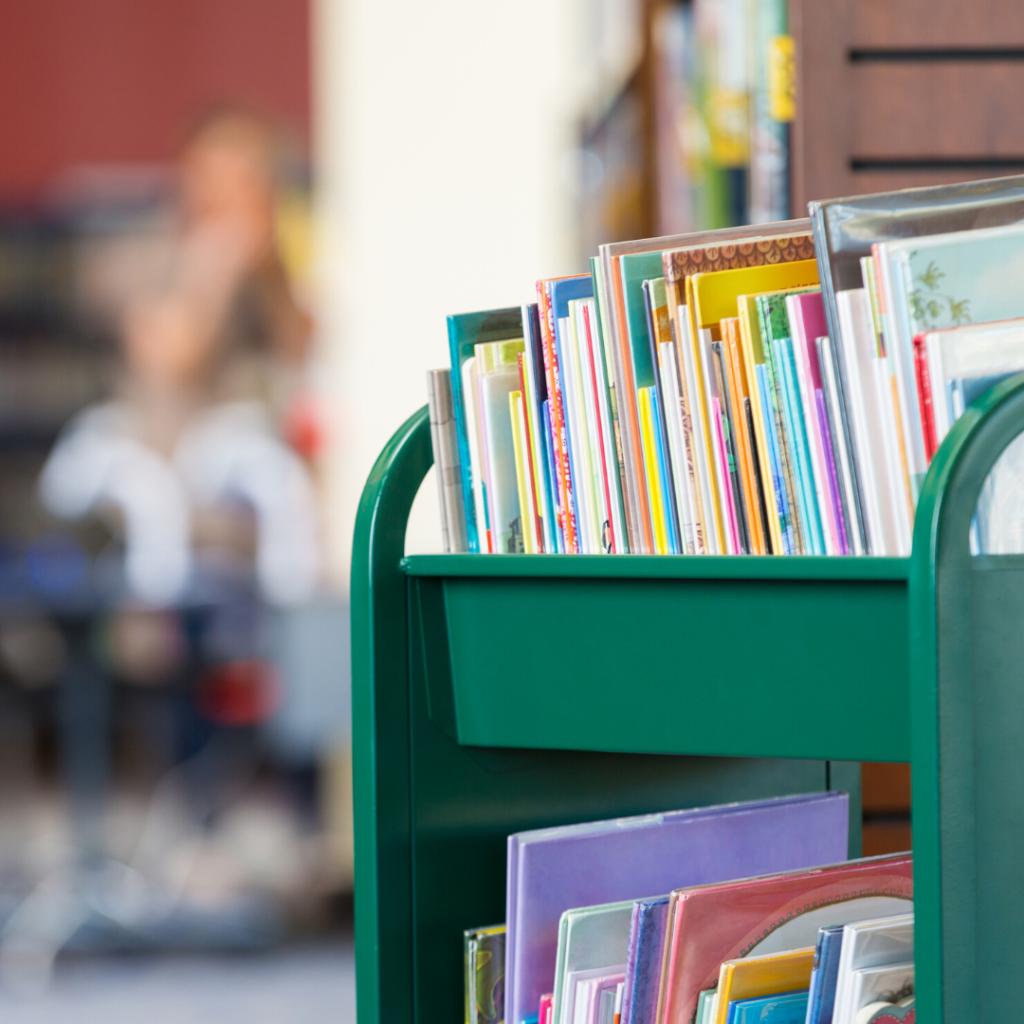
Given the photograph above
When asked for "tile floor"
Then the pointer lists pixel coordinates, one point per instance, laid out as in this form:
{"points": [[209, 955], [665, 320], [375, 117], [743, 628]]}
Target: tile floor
{"points": [[304, 985]]}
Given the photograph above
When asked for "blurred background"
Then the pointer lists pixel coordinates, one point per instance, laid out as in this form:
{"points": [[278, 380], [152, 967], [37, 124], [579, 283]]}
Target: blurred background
{"points": [[230, 232]]}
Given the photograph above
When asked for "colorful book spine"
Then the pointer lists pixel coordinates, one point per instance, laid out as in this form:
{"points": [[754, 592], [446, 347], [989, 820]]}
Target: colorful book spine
{"points": [[651, 471]]}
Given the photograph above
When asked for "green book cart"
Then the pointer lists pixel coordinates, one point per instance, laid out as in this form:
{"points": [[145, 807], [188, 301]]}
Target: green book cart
{"points": [[497, 693]]}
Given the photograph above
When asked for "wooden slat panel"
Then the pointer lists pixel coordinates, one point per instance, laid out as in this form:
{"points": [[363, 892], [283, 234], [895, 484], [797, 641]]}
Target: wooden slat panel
{"points": [[864, 182], [937, 23], [938, 110]]}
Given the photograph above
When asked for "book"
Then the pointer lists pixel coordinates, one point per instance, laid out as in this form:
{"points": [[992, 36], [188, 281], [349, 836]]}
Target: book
{"points": [[484, 960], [869, 986], [589, 938], [536, 398], [903, 1012], [872, 944], [643, 959], [753, 916], [497, 378], [790, 1008], [465, 332], [822, 995], [631, 858], [755, 977], [444, 441]]}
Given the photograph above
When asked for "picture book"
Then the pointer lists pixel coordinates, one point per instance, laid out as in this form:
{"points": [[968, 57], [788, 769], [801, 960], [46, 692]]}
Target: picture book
{"points": [[822, 995], [643, 959], [465, 332], [755, 977], [484, 955], [754, 916], [790, 1008], [557, 869], [870, 945]]}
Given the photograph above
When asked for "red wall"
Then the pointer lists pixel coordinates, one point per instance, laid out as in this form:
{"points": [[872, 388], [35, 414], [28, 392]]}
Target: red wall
{"points": [[109, 81]]}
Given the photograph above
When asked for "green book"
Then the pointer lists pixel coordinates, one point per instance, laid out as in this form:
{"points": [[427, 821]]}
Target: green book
{"points": [[484, 961]]}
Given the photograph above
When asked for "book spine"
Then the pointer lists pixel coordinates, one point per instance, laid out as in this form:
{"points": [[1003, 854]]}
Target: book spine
{"points": [[576, 438], [667, 499], [600, 392], [567, 518], [446, 460], [837, 426], [744, 439], [515, 404], [535, 521], [534, 393], [781, 498], [651, 475], [462, 428], [548, 441], [673, 416], [924, 394], [737, 512]]}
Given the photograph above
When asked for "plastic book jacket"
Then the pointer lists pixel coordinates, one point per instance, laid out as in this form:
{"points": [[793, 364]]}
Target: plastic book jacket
{"points": [[484, 950], [752, 916], [554, 870]]}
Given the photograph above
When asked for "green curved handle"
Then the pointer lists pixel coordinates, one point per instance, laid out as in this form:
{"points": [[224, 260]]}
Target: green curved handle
{"points": [[950, 729], [380, 716]]}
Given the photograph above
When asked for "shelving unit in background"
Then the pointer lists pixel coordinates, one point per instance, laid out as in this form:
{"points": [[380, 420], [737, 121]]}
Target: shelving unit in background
{"points": [[497, 693]]}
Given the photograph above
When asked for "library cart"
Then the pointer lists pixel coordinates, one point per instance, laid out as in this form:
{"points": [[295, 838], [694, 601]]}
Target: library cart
{"points": [[495, 693]]}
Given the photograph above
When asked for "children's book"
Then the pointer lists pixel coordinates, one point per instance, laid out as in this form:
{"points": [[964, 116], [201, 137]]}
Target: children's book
{"points": [[643, 959], [822, 995], [556, 869], [790, 1008], [484, 960], [871, 944], [589, 938], [755, 977], [754, 916], [465, 332], [444, 441], [869, 986]]}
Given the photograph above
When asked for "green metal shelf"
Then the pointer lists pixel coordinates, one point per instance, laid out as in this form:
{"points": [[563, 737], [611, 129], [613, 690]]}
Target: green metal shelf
{"points": [[496, 693], [672, 653]]}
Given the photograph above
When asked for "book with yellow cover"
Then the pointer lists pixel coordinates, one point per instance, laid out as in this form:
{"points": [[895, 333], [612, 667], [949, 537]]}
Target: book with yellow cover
{"points": [[650, 454], [711, 298], [756, 976], [528, 517]]}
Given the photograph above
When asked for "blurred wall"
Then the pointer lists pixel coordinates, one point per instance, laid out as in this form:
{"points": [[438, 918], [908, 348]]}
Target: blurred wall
{"points": [[441, 133], [112, 81]]}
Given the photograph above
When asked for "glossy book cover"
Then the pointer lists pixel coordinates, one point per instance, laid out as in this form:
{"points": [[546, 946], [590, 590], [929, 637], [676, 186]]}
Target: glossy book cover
{"points": [[557, 869], [754, 916]]}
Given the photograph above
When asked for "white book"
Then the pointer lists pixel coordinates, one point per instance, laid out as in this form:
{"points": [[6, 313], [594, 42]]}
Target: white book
{"points": [[611, 457], [844, 468], [713, 537], [859, 353], [870, 944], [890, 983], [584, 348], [677, 453], [579, 442], [721, 487]]}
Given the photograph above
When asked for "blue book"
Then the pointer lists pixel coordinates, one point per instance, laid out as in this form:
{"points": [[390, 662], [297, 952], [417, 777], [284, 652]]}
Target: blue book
{"points": [[790, 1008], [785, 520], [549, 458], [643, 960], [824, 974], [465, 332], [796, 424]]}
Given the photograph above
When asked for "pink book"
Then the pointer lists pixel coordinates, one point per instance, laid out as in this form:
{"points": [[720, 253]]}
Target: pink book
{"points": [[807, 321], [752, 916], [544, 1011]]}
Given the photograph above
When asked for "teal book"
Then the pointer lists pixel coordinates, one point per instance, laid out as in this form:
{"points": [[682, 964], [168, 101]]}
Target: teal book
{"points": [[790, 1008], [774, 322], [797, 418], [635, 269], [465, 332]]}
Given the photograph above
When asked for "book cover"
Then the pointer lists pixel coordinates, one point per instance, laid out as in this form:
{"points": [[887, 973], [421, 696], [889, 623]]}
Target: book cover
{"points": [[465, 332], [528, 516], [655, 497], [497, 379], [682, 461], [783, 1009], [589, 938], [758, 977], [535, 393], [869, 945], [553, 870], [756, 916], [891, 983], [822, 995], [581, 440], [643, 959], [444, 440], [484, 956]]}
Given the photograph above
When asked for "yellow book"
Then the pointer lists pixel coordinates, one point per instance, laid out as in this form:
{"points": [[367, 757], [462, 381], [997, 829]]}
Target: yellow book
{"points": [[651, 466], [527, 513], [756, 976], [713, 297]]}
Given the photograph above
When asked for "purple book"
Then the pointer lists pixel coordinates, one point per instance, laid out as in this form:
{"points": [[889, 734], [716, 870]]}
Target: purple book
{"points": [[643, 960], [556, 869]]}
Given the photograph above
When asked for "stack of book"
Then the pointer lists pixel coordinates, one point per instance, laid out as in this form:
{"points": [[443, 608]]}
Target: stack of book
{"points": [[720, 915], [777, 389]]}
